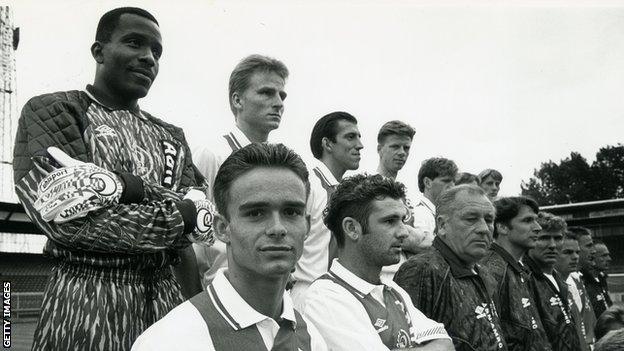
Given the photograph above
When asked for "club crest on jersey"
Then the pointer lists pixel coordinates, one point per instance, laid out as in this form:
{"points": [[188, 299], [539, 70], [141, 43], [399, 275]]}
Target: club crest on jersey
{"points": [[171, 152], [403, 339]]}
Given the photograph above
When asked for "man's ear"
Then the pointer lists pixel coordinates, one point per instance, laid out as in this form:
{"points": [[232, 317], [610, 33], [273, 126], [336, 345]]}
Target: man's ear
{"points": [[97, 52], [441, 225], [326, 144], [352, 228], [222, 228], [236, 100], [379, 146], [502, 228], [427, 182]]}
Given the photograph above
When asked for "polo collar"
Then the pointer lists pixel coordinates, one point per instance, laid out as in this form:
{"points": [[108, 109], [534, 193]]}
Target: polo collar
{"points": [[507, 257], [362, 286], [428, 204], [90, 90], [239, 137], [237, 311], [325, 174], [458, 268]]}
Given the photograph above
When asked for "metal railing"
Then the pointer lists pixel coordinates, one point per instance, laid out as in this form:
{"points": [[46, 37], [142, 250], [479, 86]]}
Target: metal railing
{"points": [[26, 304]]}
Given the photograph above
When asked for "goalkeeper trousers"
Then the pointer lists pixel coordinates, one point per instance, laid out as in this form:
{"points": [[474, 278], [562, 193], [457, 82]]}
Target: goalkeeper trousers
{"points": [[93, 308]]}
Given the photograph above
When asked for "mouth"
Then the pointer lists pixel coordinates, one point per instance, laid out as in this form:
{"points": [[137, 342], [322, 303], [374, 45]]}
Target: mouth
{"points": [[147, 74], [276, 248], [275, 115]]}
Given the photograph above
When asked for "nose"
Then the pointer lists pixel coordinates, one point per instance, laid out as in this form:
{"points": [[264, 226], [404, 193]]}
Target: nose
{"points": [[483, 228], [147, 57], [278, 101], [359, 145], [403, 232], [276, 228], [537, 227]]}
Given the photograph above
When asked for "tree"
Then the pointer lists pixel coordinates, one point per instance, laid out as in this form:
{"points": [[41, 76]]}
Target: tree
{"points": [[574, 180]]}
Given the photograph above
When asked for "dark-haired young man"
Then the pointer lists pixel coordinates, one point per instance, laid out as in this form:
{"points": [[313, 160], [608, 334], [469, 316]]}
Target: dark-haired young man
{"points": [[350, 305], [335, 143], [490, 180], [260, 192], [256, 96], [436, 175], [114, 212], [446, 283], [515, 232], [549, 289], [595, 279]]}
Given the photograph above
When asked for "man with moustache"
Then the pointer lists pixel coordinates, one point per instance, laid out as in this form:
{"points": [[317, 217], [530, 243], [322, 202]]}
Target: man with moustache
{"points": [[256, 96], [549, 289], [446, 283], [335, 143], [260, 192], [113, 205], [352, 307], [515, 232], [595, 279], [436, 175], [567, 262]]}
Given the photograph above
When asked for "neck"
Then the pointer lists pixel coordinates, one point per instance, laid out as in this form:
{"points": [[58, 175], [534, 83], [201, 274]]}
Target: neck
{"points": [[357, 264], [264, 294], [335, 168], [428, 195], [386, 172], [515, 251], [253, 134], [116, 102]]}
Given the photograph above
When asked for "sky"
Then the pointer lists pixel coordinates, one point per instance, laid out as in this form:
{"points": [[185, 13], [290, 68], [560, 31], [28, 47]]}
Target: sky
{"points": [[489, 84]]}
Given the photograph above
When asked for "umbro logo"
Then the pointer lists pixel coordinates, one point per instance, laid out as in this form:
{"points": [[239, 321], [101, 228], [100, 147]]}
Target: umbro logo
{"points": [[481, 311], [105, 130], [380, 325], [555, 301], [526, 302]]}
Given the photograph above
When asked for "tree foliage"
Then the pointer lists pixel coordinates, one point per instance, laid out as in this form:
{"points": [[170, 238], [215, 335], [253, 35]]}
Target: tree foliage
{"points": [[574, 180]]}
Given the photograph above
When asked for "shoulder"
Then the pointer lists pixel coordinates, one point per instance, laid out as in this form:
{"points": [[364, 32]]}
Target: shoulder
{"points": [[44, 103], [429, 265], [494, 263], [183, 327]]}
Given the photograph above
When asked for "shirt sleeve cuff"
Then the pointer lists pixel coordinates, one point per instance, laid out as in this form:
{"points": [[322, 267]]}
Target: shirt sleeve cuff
{"points": [[133, 191], [189, 214], [437, 332]]}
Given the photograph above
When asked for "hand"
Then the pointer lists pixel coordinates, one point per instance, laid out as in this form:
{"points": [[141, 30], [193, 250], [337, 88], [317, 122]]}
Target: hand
{"points": [[74, 189], [204, 231]]}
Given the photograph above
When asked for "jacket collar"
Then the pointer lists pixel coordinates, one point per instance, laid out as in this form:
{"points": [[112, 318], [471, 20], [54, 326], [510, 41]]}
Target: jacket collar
{"points": [[458, 267]]}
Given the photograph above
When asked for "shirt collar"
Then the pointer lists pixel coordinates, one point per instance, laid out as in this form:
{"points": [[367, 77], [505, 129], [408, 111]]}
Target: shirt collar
{"points": [[90, 90], [326, 173], [458, 268], [240, 310], [239, 136], [359, 284], [428, 204], [507, 257]]}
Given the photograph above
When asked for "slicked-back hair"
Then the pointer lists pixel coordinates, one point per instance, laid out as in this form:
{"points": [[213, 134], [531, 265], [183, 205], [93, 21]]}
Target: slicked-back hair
{"points": [[327, 127], [255, 155], [611, 319], [109, 21], [496, 175], [507, 208], [395, 127], [435, 167], [241, 75], [354, 198], [446, 203], [466, 178], [580, 231], [551, 223], [613, 341]]}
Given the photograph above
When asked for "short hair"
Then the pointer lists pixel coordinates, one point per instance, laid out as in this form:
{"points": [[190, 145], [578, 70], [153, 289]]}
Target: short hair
{"points": [[446, 202], [551, 223], [255, 155], [613, 341], [611, 319], [580, 231], [398, 128], [466, 178], [490, 172], [507, 208], [109, 21], [327, 127], [435, 167], [354, 198], [568, 234], [241, 75]]}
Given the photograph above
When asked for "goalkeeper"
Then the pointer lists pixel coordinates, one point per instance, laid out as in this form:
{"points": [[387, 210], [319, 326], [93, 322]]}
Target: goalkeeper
{"points": [[116, 193]]}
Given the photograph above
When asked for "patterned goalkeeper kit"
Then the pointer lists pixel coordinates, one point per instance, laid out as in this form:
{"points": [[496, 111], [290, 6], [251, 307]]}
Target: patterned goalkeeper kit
{"points": [[522, 327], [448, 292], [112, 277]]}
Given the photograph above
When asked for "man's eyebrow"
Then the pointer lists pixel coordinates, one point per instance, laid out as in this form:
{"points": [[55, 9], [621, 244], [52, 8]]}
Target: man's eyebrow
{"points": [[259, 204]]}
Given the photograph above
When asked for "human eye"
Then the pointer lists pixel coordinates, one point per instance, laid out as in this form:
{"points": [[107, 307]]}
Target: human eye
{"points": [[293, 212], [254, 213], [157, 52], [133, 42]]}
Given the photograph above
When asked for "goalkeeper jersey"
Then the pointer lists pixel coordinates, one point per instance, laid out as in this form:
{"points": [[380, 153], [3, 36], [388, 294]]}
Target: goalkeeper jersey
{"points": [[143, 234]]}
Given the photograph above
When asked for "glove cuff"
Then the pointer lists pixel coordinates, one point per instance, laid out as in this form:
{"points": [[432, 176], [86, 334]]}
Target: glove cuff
{"points": [[189, 214], [133, 191]]}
